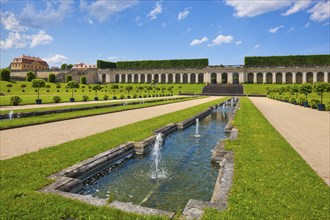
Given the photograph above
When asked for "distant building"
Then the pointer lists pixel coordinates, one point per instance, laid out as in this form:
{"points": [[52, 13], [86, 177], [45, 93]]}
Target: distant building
{"points": [[28, 63], [83, 66]]}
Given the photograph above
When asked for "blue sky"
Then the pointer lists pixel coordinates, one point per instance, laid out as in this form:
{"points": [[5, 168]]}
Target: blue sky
{"points": [[224, 31]]}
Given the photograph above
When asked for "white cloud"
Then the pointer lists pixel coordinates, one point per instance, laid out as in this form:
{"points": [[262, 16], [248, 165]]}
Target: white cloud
{"points": [[291, 29], [10, 22], [275, 29], [56, 60], [198, 41], [238, 42], [256, 46], [113, 58], [254, 8], [55, 12], [183, 14], [298, 6], [156, 11], [40, 38], [101, 10], [306, 25], [221, 39], [321, 11]]}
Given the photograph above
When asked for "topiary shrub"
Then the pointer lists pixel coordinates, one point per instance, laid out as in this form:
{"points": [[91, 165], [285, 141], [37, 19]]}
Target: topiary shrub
{"points": [[68, 78], [9, 86], [30, 76], [122, 97], [327, 106], [51, 78], [314, 102], [293, 101], [83, 80], [57, 99], [15, 100], [301, 100], [105, 97], [23, 86], [38, 83], [5, 74], [85, 98], [114, 97], [135, 96]]}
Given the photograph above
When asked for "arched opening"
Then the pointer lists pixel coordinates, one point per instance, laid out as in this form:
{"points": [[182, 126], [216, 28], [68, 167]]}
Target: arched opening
{"points": [[156, 78], [309, 77], [117, 78], [103, 78], [224, 78], [320, 77], [213, 78], [143, 79], [163, 78], [269, 78], [250, 78], [328, 76], [299, 78], [201, 78], [129, 78], [235, 78], [185, 78], [149, 78], [278, 78], [288, 77], [259, 78], [123, 78], [177, 78], [193, 78], [170, 78], [136, 78]]}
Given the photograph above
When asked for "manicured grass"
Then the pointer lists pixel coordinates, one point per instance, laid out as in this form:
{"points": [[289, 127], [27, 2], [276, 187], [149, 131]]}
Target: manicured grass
{"points": [[34, 120], [271, 181], [22, 176], [29, 96]]}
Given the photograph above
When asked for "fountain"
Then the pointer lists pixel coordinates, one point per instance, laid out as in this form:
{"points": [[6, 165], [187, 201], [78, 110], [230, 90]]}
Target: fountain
{"points": [[125, 103], [224, 106], [11, 113], [197, 128], [157, 173]]}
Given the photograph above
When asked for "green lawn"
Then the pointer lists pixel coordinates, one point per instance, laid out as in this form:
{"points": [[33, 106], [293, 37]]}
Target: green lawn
{"points": [[29, 96], [271, 181], [22, 176]]}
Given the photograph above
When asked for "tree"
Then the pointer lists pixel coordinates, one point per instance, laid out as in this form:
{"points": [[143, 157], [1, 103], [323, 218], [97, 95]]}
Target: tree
{"points": [[30, 76], [72, 85], [114, 87], [69, 66], [157, 89], [5, 74], [38, 83], [128, 89], [51, 78], [140, 89], [149, 88], [64, 66], [305, 89], [83, 80], [320, 88], [294, 90], [96, 88], [68, 78], [23, 86]]}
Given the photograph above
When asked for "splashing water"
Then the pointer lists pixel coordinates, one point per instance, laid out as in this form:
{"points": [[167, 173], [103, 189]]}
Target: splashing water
{"points": [[197, 128], [157, 173], [11, 113]]}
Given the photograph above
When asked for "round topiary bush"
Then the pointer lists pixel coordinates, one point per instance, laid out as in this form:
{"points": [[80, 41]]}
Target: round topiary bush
{"points": [[15, 100], [57, 99], [105, 97], [85, 98]]}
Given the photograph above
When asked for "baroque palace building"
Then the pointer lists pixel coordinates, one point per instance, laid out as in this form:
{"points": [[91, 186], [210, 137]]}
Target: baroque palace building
{"points": [[28, 63]]}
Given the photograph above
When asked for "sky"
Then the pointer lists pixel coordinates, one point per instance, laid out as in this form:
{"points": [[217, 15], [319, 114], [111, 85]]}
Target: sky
{"points": [[74, 31]]}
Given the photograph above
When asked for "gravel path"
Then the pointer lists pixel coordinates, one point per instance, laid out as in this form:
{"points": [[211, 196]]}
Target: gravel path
{"points": [[306, 129], [18, 141]]}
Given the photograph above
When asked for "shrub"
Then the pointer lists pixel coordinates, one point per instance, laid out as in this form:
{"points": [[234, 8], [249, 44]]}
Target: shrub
{"points": [[51, 78], [135, 96], [96, 88], [83, 80], [23, 86], [85, 98], [320, 88], [327, 106], [301, 100], [72, 85], [57, 99], [38, 83], [5, 74], [293, 100], [9, 86], [305, 89], [30, 76], [314, 103], [144, 96], [286, 99], [114, 97], [105, 97], [68, 78], [122, 97], [15, 100]]}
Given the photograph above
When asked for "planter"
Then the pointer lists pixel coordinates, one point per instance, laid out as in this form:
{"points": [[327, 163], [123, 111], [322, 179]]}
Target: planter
{"points": [[71, 99], [114, 97], [96, 98], [38, 101], [321, 107], [305, 104]]}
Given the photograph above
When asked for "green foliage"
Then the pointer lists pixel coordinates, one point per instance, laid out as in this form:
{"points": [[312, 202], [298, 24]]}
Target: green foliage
{"points": [[314, 102], [38, 83], [5, 74], [64, 66], [68, 78], [128, 89], [83, 80], [9, 86], [96, 88], [51, 78], [72, 85], [57, 99], [85, 98], [105, 97], [15, 100], [30, 76], [105, 64], [305, 89], [327, 106], [69, 66], [320, 88], [301, 100], [287, 61]]}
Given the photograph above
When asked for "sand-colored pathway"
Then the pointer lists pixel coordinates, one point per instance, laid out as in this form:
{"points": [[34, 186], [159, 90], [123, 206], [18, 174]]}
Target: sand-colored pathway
{"points": [[18, 141], [307, 130]]}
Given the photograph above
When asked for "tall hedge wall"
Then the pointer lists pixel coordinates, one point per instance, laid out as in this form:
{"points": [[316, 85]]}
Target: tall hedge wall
{"points": [[105, 64], [299, 60], [163, 64]]}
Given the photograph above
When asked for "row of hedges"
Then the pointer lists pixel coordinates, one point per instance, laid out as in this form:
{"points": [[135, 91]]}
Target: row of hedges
{"points": [[287, 61], [105, 64]]}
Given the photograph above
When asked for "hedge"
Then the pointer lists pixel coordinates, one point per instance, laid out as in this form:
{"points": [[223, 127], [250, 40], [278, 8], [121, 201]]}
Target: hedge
{"points": [[105, 64]]}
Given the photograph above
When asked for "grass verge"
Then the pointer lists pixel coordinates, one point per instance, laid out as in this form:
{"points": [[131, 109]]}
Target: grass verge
{"points": [[271, 180], [22, 176]]}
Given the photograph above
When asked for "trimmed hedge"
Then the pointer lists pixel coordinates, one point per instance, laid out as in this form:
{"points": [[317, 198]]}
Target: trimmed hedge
{"points": [[105, 64], [5, 74], [287, 61]]}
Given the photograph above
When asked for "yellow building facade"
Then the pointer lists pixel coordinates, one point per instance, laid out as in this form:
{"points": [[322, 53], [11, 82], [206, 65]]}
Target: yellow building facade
{"points": [[27, 63]]}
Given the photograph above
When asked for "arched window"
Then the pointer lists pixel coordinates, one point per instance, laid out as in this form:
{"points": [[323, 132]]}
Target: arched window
{"points": [[136, 78], [259, 78], [163, 78], [213, 78], [309, 77], [299, 78], [250, 78], [185, 78], [224, 78], [123, 78], [129, 78], [193, 78], [201, 78], [269, 78], [170, 78], [117, 78], [279, 78], [320, 77], [143, 79], [177, 78], [288, 77], [149, 78]]}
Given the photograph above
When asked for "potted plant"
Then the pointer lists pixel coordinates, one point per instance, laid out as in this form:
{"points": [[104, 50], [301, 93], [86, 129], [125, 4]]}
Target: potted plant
{"points": [[85, 98], [9, 86], [23, 86], [72, 85], [305, 89], [128, 88], [96, 88], [58, 87], [57, 99], [15, 100], [105, 97], [314, 103], [294, 91], [38, 83], [320, 88]]}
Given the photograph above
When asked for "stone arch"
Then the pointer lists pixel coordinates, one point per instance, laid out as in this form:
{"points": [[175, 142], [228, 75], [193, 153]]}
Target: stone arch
{"points": [[163, 78], [103, 78], [177, 78], [143, 79], [149, 78], [156, 78], [201, 78], [288, 77], [224, 77], [235, 78], [213, 78], [170, 78], [320, 77], [185, 78], [328, 76], [269, 78], [136, 78], [299, 77], [193, 78], [129, 78], [250, 78], [259, 78], [278, 78], [309, 77], [123, 78], [117, 78]]}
